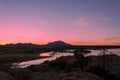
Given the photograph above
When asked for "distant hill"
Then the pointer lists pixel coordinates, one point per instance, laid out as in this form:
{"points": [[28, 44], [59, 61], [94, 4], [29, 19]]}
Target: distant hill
{"points": [[22, 45], [30, 45], [57, 44]]}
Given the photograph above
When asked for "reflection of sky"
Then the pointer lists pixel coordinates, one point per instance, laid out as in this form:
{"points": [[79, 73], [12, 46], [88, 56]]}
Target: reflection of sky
{"points": [[76, 22], [39, 61], [45, 54]]}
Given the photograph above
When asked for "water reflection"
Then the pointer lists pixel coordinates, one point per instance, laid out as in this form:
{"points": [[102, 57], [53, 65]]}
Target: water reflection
{"points": [[45, 54], [39, 61]]}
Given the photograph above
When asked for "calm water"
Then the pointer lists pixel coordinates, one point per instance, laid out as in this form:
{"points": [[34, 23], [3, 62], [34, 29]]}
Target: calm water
{"points": [[39, 61]]}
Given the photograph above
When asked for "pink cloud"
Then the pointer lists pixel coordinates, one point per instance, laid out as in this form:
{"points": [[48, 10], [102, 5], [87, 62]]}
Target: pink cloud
{"points": [[40, 21], [82, 21], [113, 38], [87, 21], [85, 43]]}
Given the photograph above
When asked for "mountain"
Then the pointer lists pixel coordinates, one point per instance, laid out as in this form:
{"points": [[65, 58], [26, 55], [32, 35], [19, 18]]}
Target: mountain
{"points": [[30, 45], [22, 45], [57, 44]]}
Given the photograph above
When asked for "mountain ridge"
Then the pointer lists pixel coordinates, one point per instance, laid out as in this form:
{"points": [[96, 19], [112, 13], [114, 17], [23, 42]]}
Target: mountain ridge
{"points": [[57, 43], [50, 44]]}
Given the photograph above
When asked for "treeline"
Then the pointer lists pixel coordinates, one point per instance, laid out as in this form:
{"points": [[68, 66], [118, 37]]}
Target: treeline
{"points": [[33, 48]]}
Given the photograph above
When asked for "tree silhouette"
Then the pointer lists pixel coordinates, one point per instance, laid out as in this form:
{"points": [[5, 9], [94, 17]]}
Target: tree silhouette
{"points": [[79, 55]]}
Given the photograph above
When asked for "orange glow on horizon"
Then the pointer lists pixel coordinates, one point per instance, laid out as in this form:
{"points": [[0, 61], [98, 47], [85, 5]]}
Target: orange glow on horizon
{"points": [[44, 21], [72, 43]]}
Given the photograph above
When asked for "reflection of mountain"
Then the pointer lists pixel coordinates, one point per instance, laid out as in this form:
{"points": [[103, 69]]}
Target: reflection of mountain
{"points": [[57, 44]]}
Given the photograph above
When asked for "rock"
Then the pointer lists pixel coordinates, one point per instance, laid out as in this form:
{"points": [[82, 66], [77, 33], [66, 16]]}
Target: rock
{"points": [[65, 68], [5, 76], [78, 76], [111, 63], [20, 74], [66, 76], [17, 73]]}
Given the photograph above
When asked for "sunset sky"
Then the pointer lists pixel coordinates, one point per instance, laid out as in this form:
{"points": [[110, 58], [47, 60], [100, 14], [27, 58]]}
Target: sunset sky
{"points": [[81, 22]]}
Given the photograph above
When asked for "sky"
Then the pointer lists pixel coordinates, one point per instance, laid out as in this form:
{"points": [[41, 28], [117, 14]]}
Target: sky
{"points": [[78, 22]]}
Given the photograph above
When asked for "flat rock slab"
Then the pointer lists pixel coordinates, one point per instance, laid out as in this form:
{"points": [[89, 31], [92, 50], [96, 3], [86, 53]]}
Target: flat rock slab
{"points": [[66, 76], [5, 76]]}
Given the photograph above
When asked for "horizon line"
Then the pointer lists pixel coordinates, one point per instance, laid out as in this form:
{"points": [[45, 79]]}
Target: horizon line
{"points": [[65, 42]]}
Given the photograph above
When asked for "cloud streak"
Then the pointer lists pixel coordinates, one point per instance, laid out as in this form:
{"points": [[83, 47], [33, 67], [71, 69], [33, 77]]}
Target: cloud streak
{"points": [[85, 43], [113, 38], [81, 21], [40, 21]]}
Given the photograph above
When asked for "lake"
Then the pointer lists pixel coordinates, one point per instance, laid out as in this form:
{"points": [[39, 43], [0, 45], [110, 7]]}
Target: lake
{"points": [[39, 61]]}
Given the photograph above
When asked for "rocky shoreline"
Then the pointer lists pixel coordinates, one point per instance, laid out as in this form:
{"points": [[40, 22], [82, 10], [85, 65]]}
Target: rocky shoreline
{"points": [[105, 67]]}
